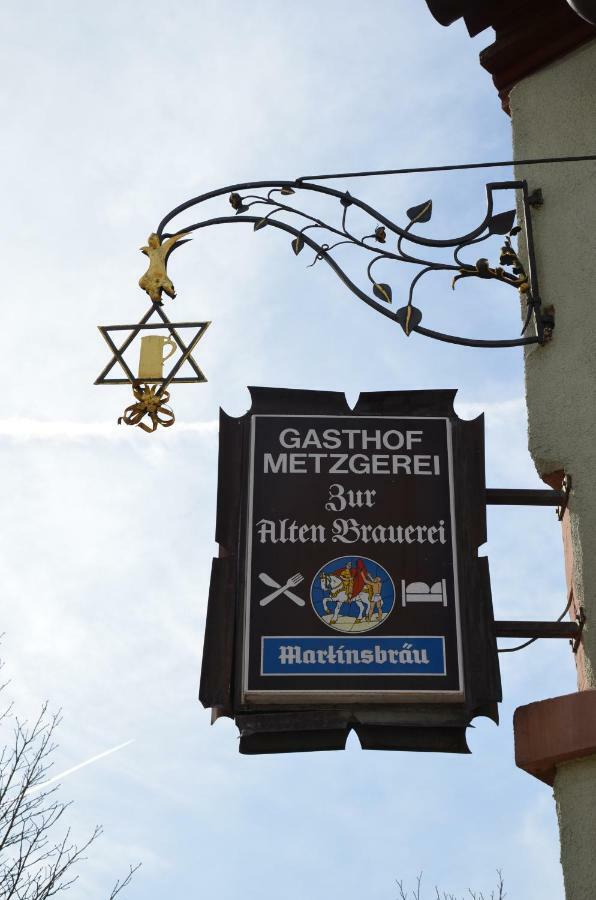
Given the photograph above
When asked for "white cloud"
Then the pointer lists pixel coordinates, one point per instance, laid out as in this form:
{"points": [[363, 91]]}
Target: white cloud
{"points": [[20, 429]]}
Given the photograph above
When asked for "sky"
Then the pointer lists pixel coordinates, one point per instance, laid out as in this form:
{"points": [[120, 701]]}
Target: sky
{"points": [[115, 113]]}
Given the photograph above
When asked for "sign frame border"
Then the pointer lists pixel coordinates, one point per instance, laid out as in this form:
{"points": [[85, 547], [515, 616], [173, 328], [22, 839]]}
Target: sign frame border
{"points": [[259, 697]]}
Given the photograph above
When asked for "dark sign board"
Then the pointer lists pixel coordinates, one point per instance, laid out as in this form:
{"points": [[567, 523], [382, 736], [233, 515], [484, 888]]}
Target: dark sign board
{"points": [[349, 592]]}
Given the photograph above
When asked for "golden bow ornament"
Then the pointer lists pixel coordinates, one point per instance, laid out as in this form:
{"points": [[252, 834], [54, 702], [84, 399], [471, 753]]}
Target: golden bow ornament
{"points": [[149, 403]]}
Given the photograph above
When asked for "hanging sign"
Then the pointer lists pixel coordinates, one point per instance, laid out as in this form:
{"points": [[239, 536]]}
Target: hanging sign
{"points": [[350, 566]]}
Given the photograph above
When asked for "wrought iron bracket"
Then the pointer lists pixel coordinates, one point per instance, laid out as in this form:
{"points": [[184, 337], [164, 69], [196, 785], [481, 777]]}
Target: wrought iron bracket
{"points": [[533, 631], [275, 202], [531, 497], [523, 497], [526, 629]]}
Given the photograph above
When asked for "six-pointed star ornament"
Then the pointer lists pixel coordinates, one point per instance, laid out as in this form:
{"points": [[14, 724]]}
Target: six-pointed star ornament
{"points": [[151, 383]]}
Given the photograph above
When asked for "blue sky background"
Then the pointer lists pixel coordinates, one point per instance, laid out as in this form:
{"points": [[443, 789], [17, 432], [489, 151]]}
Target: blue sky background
{"points": [[115, 113]]}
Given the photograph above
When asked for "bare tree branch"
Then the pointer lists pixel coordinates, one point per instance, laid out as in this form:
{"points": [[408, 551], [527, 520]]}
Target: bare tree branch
{"points": [[415, 893], [403, 894], [36, 861], [119, 885]]}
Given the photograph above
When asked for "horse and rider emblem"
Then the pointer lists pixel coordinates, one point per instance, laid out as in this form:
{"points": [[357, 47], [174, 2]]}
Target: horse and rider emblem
{"points": [[352, 594]]}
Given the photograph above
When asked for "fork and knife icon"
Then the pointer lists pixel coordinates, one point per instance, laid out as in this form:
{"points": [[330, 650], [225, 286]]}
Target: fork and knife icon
{"points": [[281, 588]]}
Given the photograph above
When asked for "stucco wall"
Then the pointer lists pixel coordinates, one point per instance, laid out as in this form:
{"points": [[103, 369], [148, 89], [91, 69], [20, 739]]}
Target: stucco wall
{"points": [[575, 794], [554, 114]]}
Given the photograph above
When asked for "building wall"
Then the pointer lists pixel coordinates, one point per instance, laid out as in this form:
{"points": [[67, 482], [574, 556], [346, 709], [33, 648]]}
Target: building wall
{"points": [[554, 114], [575, 795]]}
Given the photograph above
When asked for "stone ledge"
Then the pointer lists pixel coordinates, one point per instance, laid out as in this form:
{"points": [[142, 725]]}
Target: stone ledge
{"points": [[554, 731]]}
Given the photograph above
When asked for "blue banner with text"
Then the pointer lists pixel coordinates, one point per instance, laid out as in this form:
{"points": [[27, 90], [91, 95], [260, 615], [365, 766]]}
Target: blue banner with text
{"points": [[353, 656]]}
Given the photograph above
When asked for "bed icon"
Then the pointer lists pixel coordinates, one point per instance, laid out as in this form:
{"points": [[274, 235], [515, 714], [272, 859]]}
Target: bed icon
{"points": [[419, 592]]}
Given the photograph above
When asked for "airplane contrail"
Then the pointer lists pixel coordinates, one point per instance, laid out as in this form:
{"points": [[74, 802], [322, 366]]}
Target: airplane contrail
{"points": [[87, 762]]}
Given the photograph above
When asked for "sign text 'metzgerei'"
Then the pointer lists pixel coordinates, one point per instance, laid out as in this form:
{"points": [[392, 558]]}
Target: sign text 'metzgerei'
{"points": [[357, 458]]}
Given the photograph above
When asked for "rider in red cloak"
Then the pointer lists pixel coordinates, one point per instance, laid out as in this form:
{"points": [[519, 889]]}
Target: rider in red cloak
{"points": [[355, 577]]}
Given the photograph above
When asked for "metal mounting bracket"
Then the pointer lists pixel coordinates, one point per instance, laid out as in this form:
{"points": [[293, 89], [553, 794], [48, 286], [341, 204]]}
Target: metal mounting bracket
{"points": [[580, 622], [526, 629], [565, 491]]}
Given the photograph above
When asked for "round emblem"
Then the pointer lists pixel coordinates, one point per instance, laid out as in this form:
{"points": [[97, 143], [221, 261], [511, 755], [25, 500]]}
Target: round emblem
{"points": [[352, 594]]}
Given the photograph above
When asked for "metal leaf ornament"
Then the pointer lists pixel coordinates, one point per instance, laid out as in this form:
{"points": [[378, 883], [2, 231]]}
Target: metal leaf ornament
{"points": [[236, 203], [420, 213], [297, 245], [409, 317], [502, 223], [383, 292]]}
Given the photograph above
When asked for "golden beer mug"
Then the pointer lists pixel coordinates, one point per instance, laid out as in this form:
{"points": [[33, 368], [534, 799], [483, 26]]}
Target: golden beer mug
{"points": [[152, 356]]}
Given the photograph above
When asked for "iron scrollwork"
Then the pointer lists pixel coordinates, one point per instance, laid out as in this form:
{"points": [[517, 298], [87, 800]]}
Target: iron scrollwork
{"points": [[384, 241], [275, 202]]}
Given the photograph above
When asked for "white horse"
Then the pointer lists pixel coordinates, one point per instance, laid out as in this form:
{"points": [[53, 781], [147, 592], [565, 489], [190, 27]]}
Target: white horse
{"points": [[337, 594]]}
